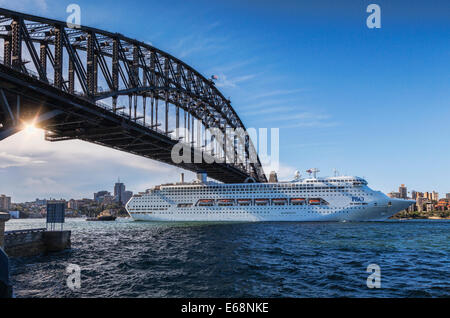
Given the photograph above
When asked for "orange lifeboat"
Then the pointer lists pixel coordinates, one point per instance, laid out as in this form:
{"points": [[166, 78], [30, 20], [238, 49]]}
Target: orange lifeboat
{"points": [[298, 201], [314, 201], [262, 201], [206, 202], [244, 201], [279, 201], [225, 202]]}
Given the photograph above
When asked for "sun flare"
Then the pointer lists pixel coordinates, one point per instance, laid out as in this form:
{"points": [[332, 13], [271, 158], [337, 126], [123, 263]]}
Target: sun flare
{"points": [[30, 129]]}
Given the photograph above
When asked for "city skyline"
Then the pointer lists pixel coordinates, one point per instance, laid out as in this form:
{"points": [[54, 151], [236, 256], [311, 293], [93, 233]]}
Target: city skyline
{"points": [[359, 109]]}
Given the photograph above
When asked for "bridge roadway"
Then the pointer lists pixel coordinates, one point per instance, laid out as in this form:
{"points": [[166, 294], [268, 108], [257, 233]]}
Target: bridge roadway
{"points": [[72, 105]]}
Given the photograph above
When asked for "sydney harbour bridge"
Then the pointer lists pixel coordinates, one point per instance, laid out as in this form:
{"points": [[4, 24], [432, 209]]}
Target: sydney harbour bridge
{"points": [[83, 83]]}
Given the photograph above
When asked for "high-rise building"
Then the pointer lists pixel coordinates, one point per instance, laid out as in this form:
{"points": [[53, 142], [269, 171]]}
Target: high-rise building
{"points": [[447, 196], [413, 195], [403, 192], [5, 203], [119, 191]]}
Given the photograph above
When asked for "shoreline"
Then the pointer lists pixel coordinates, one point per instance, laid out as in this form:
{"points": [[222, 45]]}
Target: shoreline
{"points": [[421, 218]]}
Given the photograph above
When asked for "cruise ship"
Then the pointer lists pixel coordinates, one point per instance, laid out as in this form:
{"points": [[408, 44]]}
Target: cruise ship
{"points": [[340, 198]]}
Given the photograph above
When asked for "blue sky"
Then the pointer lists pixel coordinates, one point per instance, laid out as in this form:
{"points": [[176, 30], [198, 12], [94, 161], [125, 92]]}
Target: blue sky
{"points": [[368, 102]]}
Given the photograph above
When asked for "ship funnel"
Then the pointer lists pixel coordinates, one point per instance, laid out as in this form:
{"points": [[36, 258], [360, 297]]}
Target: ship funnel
{"points": [[202, 176]]}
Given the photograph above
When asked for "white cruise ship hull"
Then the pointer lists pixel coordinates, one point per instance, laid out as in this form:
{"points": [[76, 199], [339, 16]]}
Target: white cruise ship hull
{"points": [[350, 201]]}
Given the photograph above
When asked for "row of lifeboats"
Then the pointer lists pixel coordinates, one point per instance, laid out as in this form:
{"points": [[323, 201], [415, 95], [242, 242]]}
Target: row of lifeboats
{"points": [[260, 202]]}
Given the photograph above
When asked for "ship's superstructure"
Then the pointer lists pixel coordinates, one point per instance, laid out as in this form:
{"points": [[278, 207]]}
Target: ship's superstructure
{"points": [[339, 198]]}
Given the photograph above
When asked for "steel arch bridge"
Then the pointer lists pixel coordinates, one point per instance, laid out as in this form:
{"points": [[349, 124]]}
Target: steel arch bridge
{"points": [[78, 82]]}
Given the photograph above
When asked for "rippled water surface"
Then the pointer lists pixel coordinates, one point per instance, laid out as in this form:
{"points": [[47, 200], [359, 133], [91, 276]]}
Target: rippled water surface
{"points": [[138, 259]]}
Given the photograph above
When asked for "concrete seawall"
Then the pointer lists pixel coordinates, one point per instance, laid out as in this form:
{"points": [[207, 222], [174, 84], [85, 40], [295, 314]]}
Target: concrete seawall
{"points": [[4, 217], [35, 242]]}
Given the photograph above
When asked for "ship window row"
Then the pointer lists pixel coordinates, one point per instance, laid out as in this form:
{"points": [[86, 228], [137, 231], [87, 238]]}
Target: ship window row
{"points": [[261, 202]]}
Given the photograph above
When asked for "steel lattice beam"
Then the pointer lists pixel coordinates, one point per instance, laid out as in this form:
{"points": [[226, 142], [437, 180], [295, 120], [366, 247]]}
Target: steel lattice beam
{"points": [[129, 68]]}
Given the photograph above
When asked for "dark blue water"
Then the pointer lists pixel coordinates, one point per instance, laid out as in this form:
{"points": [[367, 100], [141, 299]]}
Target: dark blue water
{"points": [[134, 259]]}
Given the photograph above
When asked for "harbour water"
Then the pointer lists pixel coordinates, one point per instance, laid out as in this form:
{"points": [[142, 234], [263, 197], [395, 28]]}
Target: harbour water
{"points": [[138, 259]]}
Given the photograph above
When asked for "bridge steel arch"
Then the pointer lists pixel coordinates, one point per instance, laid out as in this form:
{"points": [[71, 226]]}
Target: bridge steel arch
{"points": [[53, 74]]}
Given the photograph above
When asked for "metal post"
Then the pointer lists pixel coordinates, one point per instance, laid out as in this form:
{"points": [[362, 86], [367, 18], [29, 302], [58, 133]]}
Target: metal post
{"points": [[130, 102], [71, 77], [58, 57], [177, 123], [184, 127], [16, 47], [167, 114], [95, 74], [135, 107], [43, 56], [156, 111], [115, 71], [90, 64], [144, 106], [7, 51], [152, 100]]}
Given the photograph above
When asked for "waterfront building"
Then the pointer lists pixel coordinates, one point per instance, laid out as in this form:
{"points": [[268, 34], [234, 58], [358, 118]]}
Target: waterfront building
{"points": [[403, 191], [5, 203], [99, 197], [420, 201], [443, 204], [39, 202], [447, 196], [108, 199], [394, 195], [435, 196], [413, 194], [72, 204]]}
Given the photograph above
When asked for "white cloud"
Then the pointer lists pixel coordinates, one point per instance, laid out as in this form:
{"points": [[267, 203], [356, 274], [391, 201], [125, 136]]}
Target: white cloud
{"points": [[8, 160], [32, 167], [224, 81]]}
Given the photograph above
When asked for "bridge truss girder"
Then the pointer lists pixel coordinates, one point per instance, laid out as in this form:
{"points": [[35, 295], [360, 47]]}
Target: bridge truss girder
{"points": [[128, 68]]}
